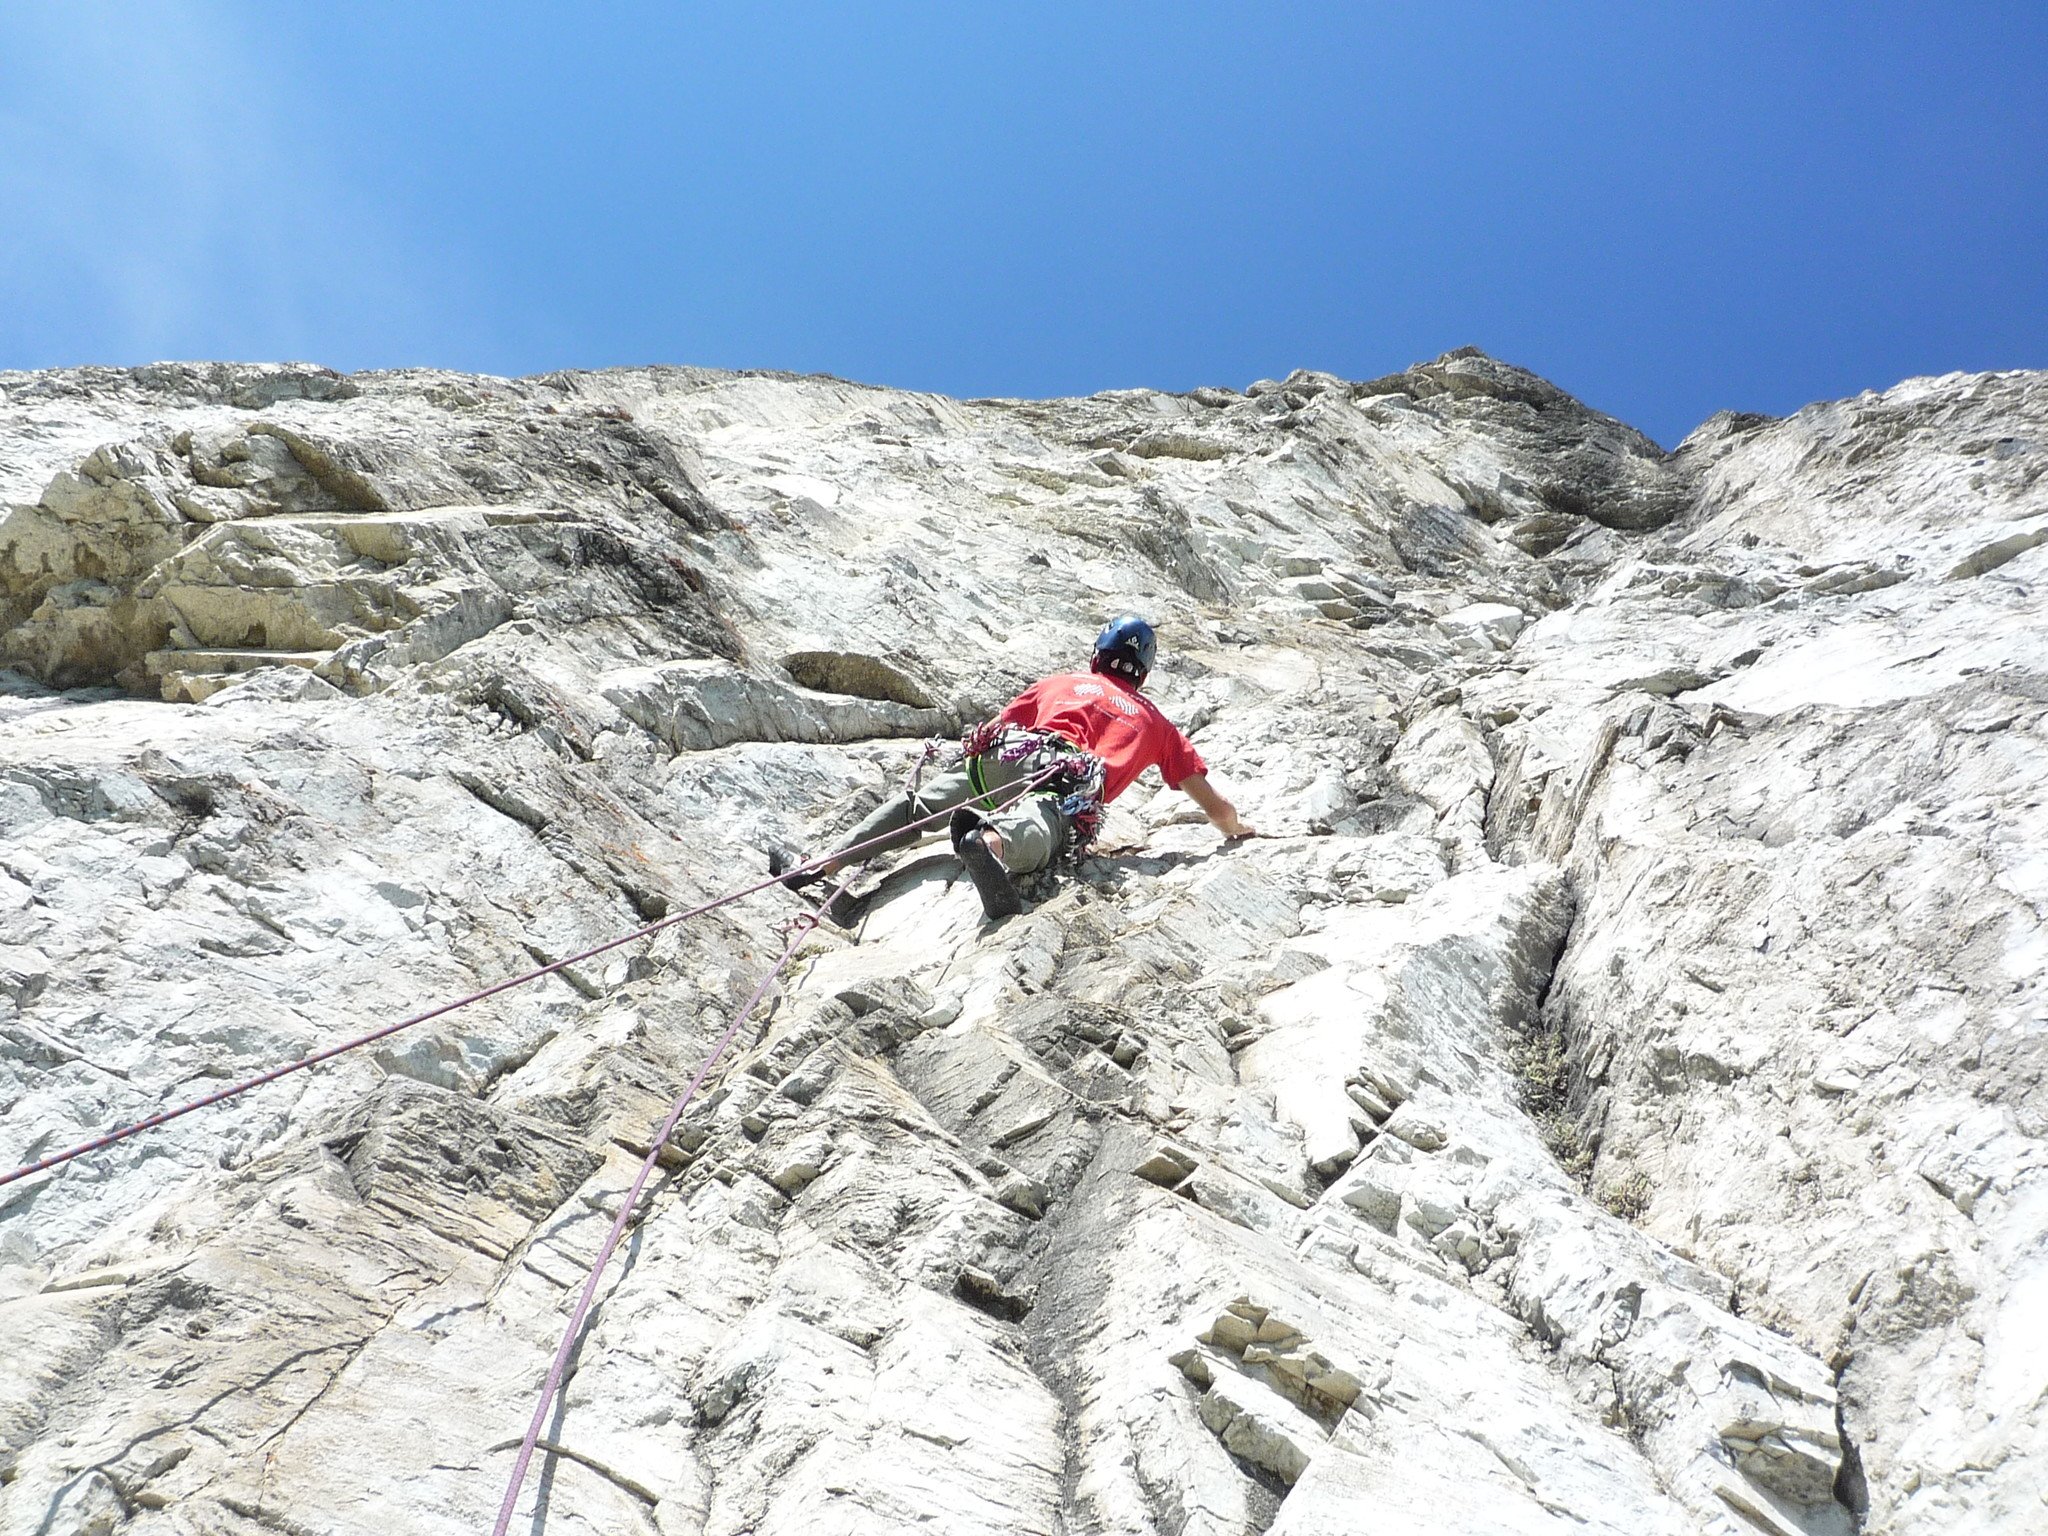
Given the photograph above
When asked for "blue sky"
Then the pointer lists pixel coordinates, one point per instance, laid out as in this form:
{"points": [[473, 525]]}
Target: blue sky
{"points": [[1668, 209]]}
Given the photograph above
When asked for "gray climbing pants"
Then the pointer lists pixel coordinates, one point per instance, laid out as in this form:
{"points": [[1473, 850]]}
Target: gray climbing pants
{"points": [[1032, 829]]}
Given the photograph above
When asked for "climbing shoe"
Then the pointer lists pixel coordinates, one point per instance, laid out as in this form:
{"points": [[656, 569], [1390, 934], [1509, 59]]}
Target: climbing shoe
{"points": [[966, 819], [999, 896], [783, 865]]}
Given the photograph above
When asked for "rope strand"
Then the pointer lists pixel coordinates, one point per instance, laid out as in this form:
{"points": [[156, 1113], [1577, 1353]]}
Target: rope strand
{"points": [[559, 1369], [235, 1090]]}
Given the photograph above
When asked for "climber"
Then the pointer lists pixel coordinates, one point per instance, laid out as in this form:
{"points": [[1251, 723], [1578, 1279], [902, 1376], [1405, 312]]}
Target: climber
{"points": [[1095, 732]]}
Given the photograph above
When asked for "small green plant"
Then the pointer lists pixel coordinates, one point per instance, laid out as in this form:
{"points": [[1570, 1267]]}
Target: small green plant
{"points": [[1629, 1196], [1562, 1139], [1545, 1077], [1539, 1062]]}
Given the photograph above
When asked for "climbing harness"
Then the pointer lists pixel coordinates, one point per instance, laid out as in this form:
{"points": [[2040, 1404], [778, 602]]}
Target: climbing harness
{"points": [[1060, 767]]}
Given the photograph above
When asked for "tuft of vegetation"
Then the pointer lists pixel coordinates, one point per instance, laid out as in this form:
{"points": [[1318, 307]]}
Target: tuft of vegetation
{"points": [[1627, 1197], [1562, 1139], [1545, 1079], [1540, 1065]]}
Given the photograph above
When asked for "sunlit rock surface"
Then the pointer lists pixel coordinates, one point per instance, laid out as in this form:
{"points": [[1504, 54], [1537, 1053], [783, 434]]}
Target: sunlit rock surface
{"points": [[1607, 1098]]}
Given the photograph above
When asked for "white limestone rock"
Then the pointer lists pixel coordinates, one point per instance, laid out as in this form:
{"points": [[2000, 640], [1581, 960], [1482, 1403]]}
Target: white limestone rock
{"points": [[1606, 1100]]}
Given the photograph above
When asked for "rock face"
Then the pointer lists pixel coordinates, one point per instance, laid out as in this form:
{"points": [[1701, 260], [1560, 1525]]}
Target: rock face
{"points": [[1608, 1098]]}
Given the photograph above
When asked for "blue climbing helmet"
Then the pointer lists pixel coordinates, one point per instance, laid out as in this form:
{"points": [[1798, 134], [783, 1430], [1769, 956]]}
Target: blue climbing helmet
{"points": [[1126, 647]]}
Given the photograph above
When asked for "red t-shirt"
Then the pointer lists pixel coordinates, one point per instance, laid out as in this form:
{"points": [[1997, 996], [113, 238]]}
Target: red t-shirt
{"points": [[1103, 714]]}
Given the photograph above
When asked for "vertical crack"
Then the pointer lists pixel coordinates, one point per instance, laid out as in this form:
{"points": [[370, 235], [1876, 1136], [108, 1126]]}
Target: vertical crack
{"points": [[1852, 1489]]}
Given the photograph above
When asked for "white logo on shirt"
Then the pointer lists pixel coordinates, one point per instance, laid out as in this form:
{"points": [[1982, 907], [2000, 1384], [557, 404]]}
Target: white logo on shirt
{"points": [[1118, 701], [1087, 690]]}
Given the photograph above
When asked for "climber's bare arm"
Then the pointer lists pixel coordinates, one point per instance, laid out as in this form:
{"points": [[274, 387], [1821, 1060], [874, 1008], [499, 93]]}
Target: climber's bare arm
{"points": [[1219, 810]]}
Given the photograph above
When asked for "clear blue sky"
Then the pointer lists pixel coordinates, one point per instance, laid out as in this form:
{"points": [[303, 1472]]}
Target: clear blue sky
{"points": [[1666, 208]]}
